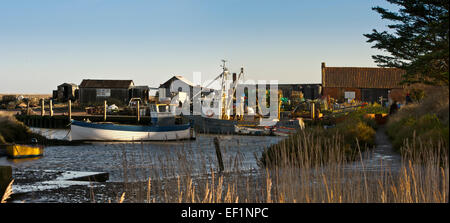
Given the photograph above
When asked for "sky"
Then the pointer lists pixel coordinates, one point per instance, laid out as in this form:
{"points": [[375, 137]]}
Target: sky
{"points": [[49, 42]]}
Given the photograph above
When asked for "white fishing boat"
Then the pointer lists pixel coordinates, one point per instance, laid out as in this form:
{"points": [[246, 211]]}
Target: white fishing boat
{"points": [[162, 128]]}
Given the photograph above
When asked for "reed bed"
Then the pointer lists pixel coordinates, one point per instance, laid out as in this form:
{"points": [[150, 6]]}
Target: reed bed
{"points": [[319, 171]]}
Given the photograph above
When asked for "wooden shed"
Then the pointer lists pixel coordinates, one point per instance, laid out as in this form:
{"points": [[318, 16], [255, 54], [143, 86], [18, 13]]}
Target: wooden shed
{"points": [[368, 84], [65, 92], [96, 91]]}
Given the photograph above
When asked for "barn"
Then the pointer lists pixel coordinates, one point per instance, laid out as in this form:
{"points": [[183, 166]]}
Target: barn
{"points": [[367, 84]]}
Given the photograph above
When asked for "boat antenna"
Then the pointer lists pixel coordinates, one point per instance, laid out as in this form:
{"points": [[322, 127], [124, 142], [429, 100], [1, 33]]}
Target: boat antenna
{"points": [[225, 70], [223, 66]]}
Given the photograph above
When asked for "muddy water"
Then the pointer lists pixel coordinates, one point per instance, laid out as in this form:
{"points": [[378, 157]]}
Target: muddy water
{"points": [[199, 154], [381, 157], [176, 156]]}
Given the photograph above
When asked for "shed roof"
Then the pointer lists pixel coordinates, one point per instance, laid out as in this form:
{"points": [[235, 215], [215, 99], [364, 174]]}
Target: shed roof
{"points": [[89, 83], [68, 84], [362, 77], [181, 78]]}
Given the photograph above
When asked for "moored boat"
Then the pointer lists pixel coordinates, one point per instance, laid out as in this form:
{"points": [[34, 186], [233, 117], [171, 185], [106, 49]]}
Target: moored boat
{"points": [[162, 128], [288, 127], [17, 151], [250, 130], [85, 131]]}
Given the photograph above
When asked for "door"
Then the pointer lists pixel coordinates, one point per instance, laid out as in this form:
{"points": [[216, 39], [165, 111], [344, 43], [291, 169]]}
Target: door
{"points": [[374, 95]]}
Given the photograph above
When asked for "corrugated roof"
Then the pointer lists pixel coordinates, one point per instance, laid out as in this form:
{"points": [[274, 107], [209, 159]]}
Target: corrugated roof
{"points": [[88, 83], [362, 77]]}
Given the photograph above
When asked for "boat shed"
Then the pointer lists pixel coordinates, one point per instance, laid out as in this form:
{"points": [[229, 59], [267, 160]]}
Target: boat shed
{"points": [[367, 84], [114, 91], [65, 92]]}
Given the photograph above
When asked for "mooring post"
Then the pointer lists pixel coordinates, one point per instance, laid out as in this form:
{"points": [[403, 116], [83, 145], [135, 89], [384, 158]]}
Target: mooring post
{"points": [[70, 110], [5, 178], [138, 111], [28, 107], [104, 112], [51, 108], [42, 107], [219, 154]]}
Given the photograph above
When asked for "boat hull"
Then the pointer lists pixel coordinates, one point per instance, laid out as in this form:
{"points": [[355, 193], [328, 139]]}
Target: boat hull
{"points": [[259, 131], [16, 151], [81, 131]]}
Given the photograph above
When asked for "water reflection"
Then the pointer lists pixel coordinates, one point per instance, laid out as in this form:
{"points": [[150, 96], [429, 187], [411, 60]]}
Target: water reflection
{"points": [[172, 156], [22, 160]]}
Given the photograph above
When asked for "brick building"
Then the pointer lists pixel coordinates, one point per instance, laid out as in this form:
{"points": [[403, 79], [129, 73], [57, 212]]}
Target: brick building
{"points": [[362, 83]]}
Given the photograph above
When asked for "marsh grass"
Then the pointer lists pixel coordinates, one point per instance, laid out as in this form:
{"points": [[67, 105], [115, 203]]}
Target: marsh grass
{"points": [[311, 175], [8, 192], [12, 130]]}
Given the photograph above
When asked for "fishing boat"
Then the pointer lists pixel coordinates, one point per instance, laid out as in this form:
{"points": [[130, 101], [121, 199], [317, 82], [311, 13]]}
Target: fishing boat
{"points": [[18, 151], [229, 115], [161, 128]]}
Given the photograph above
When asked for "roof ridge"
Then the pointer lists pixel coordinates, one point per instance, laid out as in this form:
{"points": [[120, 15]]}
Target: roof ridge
{"points": [[368, 67]]}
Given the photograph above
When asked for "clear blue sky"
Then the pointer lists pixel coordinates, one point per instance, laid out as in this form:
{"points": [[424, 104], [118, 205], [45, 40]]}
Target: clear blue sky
{"points": [[48, 42]]}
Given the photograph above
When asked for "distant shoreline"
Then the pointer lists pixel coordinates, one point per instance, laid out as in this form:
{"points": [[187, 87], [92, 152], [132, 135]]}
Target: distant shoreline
{"points": [[24, 94]]}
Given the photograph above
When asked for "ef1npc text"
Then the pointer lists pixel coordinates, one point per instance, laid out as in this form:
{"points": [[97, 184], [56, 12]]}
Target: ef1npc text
{"points": [[247, 212]]}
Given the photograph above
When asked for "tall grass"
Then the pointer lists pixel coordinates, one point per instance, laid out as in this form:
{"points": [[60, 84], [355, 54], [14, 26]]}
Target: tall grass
{"points": [[311, 175]]}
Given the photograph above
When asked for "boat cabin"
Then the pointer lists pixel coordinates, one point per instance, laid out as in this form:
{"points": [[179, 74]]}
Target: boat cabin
{"points": [[163, 114]]}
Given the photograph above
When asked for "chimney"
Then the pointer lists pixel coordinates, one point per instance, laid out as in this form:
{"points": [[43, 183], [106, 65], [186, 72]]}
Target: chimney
{"points": [[323, 74]]}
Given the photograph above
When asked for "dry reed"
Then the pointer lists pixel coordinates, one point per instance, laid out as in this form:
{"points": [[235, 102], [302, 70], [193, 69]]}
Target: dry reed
{"points": [[308, 175]]}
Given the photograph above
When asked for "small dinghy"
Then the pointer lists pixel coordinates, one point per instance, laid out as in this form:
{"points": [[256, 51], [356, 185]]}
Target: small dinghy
{"points": [[19, 151]]}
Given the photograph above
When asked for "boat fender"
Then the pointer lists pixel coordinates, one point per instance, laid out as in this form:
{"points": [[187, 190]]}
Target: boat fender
{"points": [[210, 113]]}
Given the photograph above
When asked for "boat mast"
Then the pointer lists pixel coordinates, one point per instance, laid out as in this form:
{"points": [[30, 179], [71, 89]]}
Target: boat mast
{"points": [[224, 95]]}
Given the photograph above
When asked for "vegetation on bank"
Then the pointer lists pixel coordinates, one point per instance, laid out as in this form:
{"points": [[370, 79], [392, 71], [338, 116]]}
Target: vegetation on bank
{"points": [[14, 131], [349, 134], [318, 176], [425, 121]]}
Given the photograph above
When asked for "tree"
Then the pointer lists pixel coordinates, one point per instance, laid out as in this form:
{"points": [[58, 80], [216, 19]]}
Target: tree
{"points": [[420, 42]]}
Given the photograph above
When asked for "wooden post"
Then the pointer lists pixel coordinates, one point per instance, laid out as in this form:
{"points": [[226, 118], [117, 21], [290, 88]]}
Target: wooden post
{"points": [[51, 107], [313, 110], [42, 107], [70, 110], [138, 112], [5, 178], [28, 107], [219, 154], [104, 112]]}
